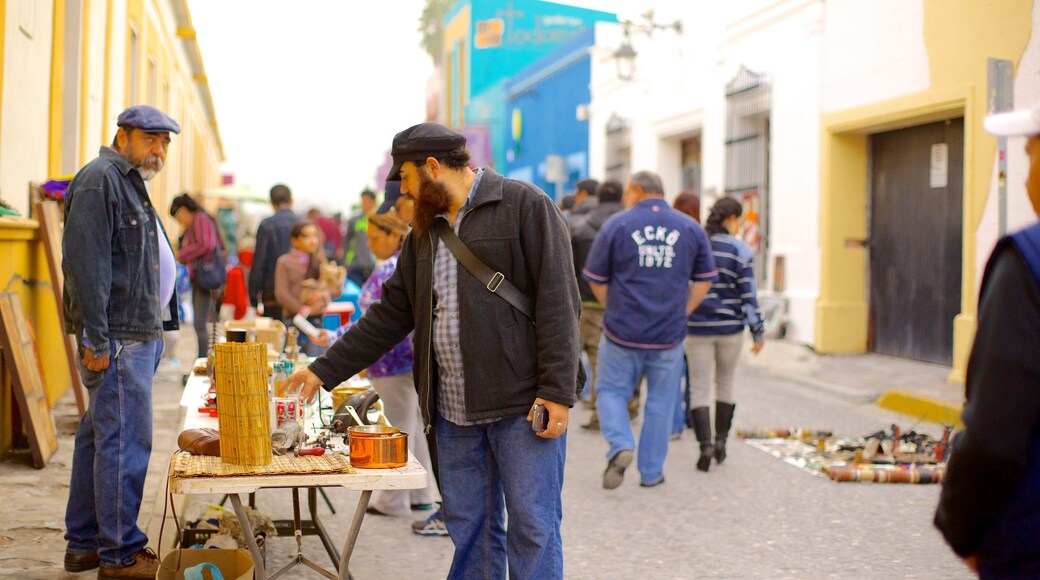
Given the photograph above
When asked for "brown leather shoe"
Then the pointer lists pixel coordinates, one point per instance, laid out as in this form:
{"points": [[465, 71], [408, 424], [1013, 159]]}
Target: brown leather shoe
{"points": [[146, 565], [81, 562], [205, 441]]}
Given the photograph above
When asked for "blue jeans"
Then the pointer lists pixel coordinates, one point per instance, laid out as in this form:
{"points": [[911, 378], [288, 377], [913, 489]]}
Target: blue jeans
{"points": [[488, 470], [619, 368], [682, 407], [110, 460]]}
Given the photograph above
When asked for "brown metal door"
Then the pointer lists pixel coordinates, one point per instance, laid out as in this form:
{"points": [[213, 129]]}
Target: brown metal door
{"points": [[916, 240]]}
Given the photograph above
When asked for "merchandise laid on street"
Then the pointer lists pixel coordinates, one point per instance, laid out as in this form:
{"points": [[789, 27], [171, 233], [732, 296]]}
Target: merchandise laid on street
{"points": [[883, 457]]}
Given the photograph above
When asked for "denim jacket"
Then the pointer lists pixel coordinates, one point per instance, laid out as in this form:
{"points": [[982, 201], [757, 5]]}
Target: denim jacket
{"points": [[110, 257]]}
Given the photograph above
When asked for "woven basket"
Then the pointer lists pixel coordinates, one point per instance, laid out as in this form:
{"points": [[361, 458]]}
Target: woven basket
{"points": [[240, 378]]}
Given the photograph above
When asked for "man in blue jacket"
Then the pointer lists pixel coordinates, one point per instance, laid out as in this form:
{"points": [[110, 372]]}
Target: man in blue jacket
{"points": [[649, 267], [989, 511], [480, 364], [119, 296]]}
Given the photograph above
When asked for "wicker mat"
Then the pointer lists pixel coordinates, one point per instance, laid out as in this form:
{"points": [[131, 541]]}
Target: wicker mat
{"points": [[185, 465]]}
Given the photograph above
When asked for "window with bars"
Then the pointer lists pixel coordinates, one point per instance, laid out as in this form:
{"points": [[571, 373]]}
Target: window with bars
{"points": [[748, 105]]}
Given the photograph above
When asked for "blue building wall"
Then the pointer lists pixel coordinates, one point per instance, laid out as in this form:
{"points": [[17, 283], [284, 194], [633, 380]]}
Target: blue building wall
{"points": [[543, 99], [507, 36]]}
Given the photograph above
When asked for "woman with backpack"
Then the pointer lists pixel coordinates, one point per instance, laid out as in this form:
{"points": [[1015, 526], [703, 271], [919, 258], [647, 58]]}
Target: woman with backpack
{"points": [[716, 330], [202, 251]]}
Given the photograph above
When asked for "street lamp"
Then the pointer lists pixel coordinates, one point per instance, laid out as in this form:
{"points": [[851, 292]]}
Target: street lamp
{"points": [[625, 55], [625, 58]]}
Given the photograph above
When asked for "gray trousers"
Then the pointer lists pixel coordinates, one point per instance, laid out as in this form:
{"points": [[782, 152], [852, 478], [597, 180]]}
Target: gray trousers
{"points": [[202, 305], [401, 406], [705, 353]]}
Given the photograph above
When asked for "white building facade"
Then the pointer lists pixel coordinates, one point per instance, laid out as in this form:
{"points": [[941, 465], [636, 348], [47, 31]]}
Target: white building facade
{"points": [[728, 106], [853, 133]]}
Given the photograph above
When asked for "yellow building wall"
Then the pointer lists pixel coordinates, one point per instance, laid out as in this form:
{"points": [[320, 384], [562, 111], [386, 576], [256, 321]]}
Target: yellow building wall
{"points": [[3, 33], [958, 74], [22, 253], [105, 61], [456, 31]]}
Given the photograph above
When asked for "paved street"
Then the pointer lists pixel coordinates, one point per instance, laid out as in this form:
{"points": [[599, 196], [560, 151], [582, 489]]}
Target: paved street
{"points": [[754, 517]]}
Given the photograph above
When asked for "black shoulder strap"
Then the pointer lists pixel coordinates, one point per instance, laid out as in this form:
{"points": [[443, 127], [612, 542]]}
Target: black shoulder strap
{"points": [[494, 281]]}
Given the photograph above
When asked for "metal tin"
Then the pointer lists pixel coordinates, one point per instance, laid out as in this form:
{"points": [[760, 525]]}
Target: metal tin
{"points": [[377, 447]]}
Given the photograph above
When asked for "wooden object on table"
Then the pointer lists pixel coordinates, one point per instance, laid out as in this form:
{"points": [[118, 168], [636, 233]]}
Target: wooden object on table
{"points": [[20, 358], [267, 330], [240, 379], [49, 215]]}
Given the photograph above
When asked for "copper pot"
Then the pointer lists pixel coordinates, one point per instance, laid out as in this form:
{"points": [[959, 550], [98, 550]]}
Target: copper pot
{"points": [[377, 446]]}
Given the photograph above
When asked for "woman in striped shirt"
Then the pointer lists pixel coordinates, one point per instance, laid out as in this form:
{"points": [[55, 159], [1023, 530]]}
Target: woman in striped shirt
{"points": [[716, 330]]}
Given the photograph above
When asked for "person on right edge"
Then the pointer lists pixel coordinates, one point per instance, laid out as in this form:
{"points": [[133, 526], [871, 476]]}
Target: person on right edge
{"points": [[716, 330], [272, 242], [649, 267], [989, 510]]}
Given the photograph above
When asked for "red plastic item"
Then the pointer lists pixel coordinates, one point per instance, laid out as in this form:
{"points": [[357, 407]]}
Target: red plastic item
{"points": [[235, 292]]}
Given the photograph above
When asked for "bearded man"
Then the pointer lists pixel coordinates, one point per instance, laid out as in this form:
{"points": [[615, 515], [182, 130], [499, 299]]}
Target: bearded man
{"points": [[119, 296], [480, 364]]}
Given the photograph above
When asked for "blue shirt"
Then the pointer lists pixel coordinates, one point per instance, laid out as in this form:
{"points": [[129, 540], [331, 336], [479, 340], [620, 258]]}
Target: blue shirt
{"points": [[648, 255]]}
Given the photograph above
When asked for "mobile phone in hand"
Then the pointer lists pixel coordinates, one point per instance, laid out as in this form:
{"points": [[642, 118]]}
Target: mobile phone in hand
{"points": [[540, 418]]}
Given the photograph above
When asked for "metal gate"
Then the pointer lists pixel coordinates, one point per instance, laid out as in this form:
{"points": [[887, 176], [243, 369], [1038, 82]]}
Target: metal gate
{"points": [[916, 240], [748, 104]]}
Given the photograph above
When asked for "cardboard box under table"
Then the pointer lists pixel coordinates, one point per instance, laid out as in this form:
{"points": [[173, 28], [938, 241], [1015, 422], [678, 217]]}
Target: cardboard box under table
{"points": [[193, 475]]}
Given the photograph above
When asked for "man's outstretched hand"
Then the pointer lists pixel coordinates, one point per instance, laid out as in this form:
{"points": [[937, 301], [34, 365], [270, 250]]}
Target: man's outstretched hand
{"points": [[306, 382]]}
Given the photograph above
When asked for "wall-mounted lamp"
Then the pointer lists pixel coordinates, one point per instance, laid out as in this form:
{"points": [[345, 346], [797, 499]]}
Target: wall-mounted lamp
{"points": [[625, 55], [625, 59]]}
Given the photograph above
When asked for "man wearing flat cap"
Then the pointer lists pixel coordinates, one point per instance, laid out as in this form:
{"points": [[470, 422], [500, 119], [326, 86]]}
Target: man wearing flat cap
{"points": [[481, 363], [989, 511], [119, 297]]}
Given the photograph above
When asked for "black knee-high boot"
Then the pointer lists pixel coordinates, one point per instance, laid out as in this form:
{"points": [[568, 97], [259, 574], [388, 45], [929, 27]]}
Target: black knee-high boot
{"points": [[723, 422], [702, 428]]}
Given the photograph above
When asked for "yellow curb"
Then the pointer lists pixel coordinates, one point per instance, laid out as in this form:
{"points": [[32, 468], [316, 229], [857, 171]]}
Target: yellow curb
{"points": [[922, 407]]}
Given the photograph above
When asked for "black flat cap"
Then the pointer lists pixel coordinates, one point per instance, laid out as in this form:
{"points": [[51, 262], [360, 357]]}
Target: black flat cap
{"points": [[147, 119], [420, 141]]}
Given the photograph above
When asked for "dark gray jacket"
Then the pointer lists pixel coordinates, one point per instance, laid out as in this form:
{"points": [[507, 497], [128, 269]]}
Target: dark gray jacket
{"points": [[272, 242], [583, 233], [516, 229], [110, 257]]}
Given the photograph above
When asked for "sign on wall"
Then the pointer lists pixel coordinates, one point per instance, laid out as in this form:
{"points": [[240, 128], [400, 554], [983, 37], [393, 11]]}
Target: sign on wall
{"points": [[938, 174]]}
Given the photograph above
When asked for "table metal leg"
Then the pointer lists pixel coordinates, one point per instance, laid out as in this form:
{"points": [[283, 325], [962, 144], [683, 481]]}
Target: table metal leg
{"points": [[298, 534], [312, 505], [328, 502], [250, 536], [352, 535]]}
